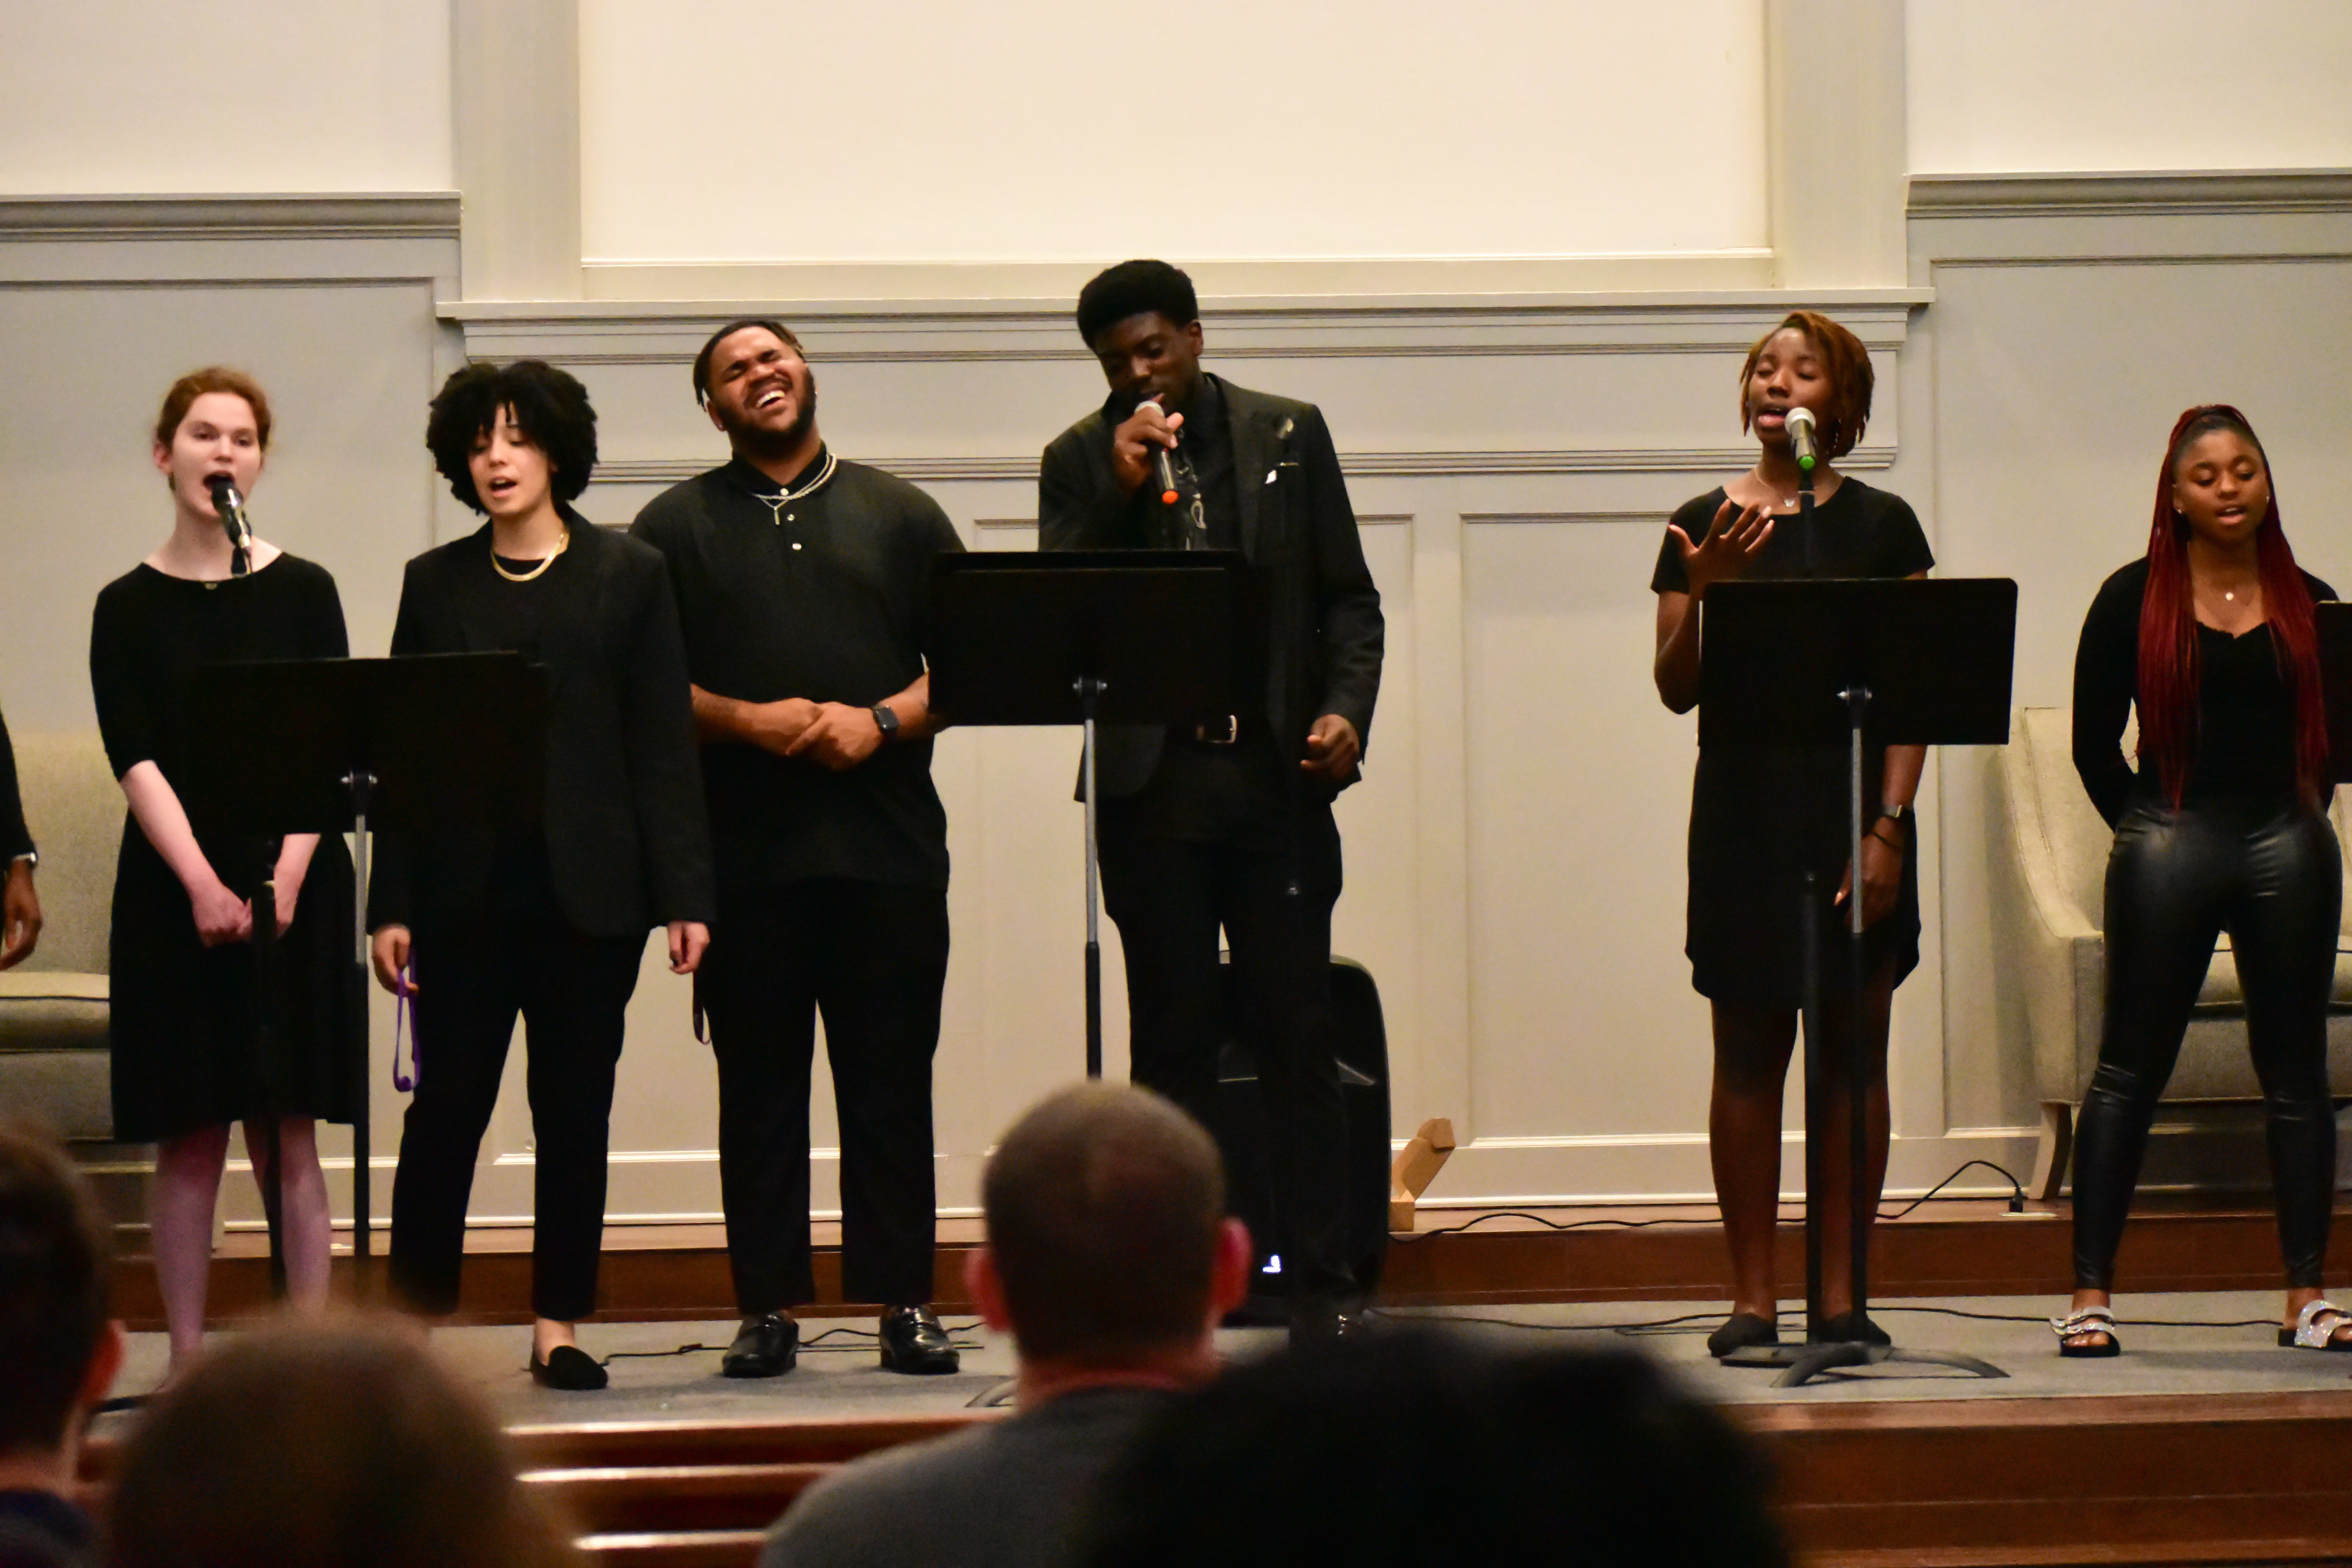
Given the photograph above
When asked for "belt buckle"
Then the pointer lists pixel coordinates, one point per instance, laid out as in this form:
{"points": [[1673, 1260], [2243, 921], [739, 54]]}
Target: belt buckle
{"points": [[1223, 733]]}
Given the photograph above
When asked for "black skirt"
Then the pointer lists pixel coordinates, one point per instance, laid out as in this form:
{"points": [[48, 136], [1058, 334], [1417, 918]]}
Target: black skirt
{"points": [[188, 1020], [1762, 817]]}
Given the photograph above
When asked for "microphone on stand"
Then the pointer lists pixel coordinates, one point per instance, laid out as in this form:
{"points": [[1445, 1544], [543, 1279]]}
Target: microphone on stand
{"points": [[231, 507], [1801, 434], [1167, 471]]}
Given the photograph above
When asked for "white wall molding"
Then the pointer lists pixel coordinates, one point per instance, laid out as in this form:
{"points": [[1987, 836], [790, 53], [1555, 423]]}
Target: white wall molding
{"points": [[1457, 464], [1244, 327], [396, 214], [2170, 195], [1835, 157], [114, 241], [515, 98]]}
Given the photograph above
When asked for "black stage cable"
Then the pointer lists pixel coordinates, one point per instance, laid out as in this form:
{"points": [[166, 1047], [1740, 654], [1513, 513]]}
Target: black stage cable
{"points": [[958, 1336], [1688, 1322], [2016, 1205]]}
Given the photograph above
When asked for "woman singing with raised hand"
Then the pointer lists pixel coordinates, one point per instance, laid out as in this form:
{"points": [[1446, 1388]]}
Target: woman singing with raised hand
{"points": [[188, 1011], [2223, 828], [1763, 817], [548, 920]]}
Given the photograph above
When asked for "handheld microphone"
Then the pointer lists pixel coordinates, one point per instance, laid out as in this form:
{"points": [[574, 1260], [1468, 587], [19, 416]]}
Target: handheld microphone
{"points": [[1800, 434], [1165, 469], [231, 507]]}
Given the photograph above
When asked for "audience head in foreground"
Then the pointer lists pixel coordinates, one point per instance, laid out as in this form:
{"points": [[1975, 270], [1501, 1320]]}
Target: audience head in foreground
{"points": [[1413, 1447], [1109, 1259], [59, 1350], [1108, 1249], [342, 1444]]}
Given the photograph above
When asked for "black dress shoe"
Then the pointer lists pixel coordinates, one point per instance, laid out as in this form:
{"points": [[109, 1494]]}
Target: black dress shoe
{"points": [[567, 1367], [913, 1341], [768, 1348], [1742, 1331]]}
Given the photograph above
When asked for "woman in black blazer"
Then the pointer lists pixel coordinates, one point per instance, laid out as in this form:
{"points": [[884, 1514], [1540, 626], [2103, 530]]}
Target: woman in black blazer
{"points": [[547, 919]]}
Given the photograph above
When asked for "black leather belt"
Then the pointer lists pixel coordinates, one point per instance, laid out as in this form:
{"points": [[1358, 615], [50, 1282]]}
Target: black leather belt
{"points": [[1220, 732]]}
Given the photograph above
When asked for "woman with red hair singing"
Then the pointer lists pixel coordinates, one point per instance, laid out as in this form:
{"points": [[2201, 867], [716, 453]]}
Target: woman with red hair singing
{"points": [[2222, 828]]}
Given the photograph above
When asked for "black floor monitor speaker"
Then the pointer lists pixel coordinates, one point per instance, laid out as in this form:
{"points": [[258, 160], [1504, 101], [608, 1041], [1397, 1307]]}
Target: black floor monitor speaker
{"points": [[1360, 1041]]}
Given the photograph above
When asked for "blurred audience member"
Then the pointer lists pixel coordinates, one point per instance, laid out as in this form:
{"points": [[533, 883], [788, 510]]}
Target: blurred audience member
{"points": [[1419, 1447], [58, 1348], [1109, 1259], [342, 1444]]}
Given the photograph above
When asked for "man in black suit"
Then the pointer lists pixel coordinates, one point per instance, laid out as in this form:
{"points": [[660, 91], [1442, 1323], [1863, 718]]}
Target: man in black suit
{"points": [[804, 585], [1229, 826], [20, 907]]}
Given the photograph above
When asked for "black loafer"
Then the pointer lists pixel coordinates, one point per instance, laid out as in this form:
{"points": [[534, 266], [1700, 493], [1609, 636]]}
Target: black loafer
{"points": [[569, 1368], [768, 1348], [1742, 1331], [913, 1341]]}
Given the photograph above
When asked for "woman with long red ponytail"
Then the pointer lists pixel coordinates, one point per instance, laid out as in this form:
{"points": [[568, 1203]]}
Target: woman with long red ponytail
{"points": [[2222, 827]]}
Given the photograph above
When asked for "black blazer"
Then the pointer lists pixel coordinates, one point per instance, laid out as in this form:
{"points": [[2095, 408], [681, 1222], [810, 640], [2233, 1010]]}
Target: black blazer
{"points": [[1325, 631], [13, 840], [627, 838]]}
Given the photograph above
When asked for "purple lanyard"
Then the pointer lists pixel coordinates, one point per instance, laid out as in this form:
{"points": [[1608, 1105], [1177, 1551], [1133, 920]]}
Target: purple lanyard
{"points": [[401, 1020]]}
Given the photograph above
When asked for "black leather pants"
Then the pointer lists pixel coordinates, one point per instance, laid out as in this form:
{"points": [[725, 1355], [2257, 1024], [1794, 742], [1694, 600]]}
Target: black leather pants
{"points": [[2272, 876]]}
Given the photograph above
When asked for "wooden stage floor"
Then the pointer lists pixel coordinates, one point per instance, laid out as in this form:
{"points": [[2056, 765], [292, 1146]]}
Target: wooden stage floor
{"points": [[2202, 1444]]}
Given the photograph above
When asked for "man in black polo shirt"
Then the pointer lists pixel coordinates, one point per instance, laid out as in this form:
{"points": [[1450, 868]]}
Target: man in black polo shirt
{"points": [[803, 586], [1230, 826]]}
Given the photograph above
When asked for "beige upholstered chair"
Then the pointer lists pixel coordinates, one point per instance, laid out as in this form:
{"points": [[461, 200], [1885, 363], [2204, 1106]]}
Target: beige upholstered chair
{"points": [[53, 1006], [2048, 910]]}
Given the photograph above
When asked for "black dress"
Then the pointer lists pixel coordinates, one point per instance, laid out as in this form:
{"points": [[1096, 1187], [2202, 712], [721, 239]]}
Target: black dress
{"points": [[184, 1018], [1761, 816]]}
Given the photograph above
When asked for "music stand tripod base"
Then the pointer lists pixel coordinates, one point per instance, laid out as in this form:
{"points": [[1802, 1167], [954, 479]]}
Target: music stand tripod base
{"points": [[1805, 1363]]}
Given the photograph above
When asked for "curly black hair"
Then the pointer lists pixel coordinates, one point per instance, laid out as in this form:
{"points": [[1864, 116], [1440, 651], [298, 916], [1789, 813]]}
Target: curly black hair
{"points": [[550, 404], [1131, 288]]}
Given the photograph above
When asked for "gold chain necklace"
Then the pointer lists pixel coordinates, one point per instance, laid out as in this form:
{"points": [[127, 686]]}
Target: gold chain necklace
{"points": [[499, 566]]}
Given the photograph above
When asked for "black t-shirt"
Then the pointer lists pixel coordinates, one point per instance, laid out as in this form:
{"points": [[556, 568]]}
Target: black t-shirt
{"points": [[1857, 533], [1762, 816], [824, 596], [2246, 711]]}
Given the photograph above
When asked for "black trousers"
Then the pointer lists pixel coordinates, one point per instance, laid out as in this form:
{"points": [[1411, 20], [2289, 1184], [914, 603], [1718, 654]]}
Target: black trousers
{"points": [[571, 991], [1273, 901], [2272, 876], [873, 960]]}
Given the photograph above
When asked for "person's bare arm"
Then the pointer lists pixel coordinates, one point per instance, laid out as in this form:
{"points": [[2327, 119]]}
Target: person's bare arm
{"points": [[771, 726], [842, 736], [221, 916], [1730, 545]]}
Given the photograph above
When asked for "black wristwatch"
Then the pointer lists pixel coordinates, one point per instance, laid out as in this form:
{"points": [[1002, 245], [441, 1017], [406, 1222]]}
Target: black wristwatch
{"points": [[885, 720]]}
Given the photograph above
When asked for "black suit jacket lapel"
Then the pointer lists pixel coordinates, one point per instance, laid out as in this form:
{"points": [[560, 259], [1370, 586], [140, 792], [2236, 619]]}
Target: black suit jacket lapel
{"points": [[1256, 450]]}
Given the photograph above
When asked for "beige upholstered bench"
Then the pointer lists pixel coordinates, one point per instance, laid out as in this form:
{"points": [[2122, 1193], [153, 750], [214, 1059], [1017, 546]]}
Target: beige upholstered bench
{"points": [[53, 1006], [2048, 908]]}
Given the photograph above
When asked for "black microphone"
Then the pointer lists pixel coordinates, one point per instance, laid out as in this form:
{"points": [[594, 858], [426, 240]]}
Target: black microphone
{"points": [[1801, 434], [231, 507], [1160, 457]]}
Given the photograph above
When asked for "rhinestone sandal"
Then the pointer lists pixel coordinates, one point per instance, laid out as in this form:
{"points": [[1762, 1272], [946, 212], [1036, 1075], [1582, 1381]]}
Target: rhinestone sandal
{"points": [[2089, 1320], [2309, 1333]]}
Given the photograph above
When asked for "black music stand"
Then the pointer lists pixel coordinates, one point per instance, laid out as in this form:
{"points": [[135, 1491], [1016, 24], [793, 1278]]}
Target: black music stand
{"points": [[1824, 664], [1118, 636], [331, 746], [2334, 622]]}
